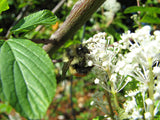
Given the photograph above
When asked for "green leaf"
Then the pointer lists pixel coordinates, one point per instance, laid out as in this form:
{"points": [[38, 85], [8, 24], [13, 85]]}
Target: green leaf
{"points": [[28, 23], [28, 81], [121, 25], [150, 19], [1, 42], [142, 9], [4, 107], [1, 30], [99, 118], [3, 6]]}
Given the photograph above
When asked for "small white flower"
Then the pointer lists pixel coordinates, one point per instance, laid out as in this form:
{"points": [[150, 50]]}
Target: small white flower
{"points": [[132, 93], [147, 115], [90, 63], [103, 41], [115, 44], [102, 55], [157, 33], [156, 70], [136, 115], [105, 63], [157, 88], [149, 101], [129, 79], [113, 78], [120, 66], [109, 37], [109, 118], [96, 81], [112, 5], [92, 103], [94, 52], [61, 117], [129, 105], [157, 95], [143, 87]]}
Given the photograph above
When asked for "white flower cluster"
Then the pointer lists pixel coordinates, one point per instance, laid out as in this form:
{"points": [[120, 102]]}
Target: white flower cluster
{"points": [[131, 107], [111, 7], [104, 57], [142, 46], [114, 68]]}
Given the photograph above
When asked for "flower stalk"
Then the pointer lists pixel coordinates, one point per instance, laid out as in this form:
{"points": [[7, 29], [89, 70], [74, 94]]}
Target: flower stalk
{"points": [[109, 104], [151, 88]]}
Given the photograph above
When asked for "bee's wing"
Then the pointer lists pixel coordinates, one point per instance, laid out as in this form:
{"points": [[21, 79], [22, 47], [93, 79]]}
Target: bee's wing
{"points": [[65, 68]]}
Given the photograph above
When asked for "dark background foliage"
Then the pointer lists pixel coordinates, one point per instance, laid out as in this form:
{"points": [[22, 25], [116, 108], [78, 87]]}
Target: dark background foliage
{"points": [[8, 17]]}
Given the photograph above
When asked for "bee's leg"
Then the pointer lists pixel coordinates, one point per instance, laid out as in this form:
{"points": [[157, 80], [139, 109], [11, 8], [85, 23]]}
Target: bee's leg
{"points": [[65, 68]]}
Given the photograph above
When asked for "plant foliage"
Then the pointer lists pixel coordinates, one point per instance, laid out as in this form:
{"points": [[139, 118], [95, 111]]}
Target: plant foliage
{"points": [[150, 14], [27, 77], [3, 6], [43, 17]]}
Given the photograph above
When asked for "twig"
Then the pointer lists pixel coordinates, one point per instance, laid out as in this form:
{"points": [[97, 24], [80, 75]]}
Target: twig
{"points": [[139, 12], [138, 4], [79, 14], [73, 110], [3, 38], [57, 61], [58, 6]]}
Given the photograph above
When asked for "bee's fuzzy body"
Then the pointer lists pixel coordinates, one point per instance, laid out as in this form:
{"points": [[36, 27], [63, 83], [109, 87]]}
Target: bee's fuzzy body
{"points": [[77, 55]]}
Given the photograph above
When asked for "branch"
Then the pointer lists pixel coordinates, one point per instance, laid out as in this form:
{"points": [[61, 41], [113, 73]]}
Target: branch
{"points": [[58, 6], [79, 14]]}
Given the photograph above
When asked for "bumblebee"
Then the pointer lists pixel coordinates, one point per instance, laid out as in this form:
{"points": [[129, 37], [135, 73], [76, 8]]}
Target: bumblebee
{"points": [[75, 60]]}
